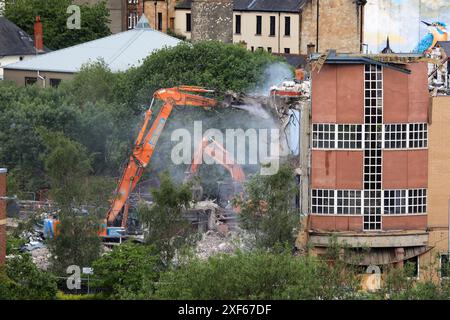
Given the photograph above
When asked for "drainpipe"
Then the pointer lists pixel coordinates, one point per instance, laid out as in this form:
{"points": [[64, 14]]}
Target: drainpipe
{"points": [[2, 216], [156, 15], [41, 77], [279, 32], [167, 15], [317, 31]]}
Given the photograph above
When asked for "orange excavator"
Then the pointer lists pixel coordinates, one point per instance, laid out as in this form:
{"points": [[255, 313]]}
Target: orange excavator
{"points": [[146, 143], [216, 151], [142, 153]]}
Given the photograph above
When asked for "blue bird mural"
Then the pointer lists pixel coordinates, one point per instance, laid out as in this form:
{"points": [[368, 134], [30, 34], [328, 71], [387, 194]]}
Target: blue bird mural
{"points": [[437, 32]]}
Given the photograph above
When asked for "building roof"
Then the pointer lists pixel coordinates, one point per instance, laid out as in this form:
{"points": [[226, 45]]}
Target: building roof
{"points": [[119, 51], [295, 60], [257, 5], [334, 58], [14, 41]]}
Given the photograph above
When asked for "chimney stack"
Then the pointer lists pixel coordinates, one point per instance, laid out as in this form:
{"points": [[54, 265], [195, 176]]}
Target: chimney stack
{"points": [[38, 35], [2, 216]]}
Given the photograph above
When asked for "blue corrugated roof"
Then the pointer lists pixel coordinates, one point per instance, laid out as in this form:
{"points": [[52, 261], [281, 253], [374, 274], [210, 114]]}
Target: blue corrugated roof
{"points": [[119, 51]]}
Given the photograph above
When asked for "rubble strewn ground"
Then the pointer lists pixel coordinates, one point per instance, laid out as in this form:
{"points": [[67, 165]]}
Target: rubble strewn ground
{"points": [[213, 242], [41, 258]]}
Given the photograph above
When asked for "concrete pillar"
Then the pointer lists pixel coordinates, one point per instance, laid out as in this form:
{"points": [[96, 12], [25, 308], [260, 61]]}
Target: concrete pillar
{"points": [[2, 216], [212, 20], [400, 255], [304, 156]]}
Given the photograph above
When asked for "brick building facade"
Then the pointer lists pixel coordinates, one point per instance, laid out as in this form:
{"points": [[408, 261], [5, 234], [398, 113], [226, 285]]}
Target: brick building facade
{"points": [[275, 26], [369, 157]]}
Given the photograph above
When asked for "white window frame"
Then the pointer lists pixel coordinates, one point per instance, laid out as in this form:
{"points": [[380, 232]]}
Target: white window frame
{"points": [[423, 197], [328, 198]]}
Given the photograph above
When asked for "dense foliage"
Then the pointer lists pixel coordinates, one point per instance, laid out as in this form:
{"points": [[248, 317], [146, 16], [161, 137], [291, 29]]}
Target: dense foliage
{"points": [[268, 210], [128, 271], [166, 227], [102, 110], [54, 16], [22, 280]]}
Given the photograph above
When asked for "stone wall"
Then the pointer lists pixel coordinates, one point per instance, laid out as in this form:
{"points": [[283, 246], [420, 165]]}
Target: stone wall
{"points": [[212, 20], [339, 25]]}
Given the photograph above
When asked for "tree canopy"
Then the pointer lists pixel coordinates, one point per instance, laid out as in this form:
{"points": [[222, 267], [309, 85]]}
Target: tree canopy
{"points": [[54, 16]]}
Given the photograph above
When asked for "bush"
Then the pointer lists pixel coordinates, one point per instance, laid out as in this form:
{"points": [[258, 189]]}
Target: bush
{"points": [[22, 280], [128, 271]]}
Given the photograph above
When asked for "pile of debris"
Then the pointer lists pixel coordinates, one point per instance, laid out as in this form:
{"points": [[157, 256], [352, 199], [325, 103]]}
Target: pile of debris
{"points": [[213, 242]]}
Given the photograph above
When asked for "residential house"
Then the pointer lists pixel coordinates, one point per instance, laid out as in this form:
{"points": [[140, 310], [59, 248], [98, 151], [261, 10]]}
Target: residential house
{"points": [[120, 52], [15, 44]]}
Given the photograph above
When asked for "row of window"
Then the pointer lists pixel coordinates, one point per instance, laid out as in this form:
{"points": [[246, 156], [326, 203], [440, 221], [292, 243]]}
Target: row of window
{"points": [[353, 202], [238, 25], [32, 80], [350, 136], [269, 49]]}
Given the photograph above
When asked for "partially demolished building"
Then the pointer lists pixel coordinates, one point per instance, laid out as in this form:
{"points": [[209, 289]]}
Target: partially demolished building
{"points": [[379, 161]]}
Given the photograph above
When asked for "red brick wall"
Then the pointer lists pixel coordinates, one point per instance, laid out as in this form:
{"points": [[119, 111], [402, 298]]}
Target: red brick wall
{"points": [[336, 169], [335, 223], [396, 101], [409, 222], [405, 169], [338, 94], [419, 99]]}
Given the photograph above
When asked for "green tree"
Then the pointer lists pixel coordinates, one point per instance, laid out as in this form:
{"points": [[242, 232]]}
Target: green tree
{"points": [[22, 280], [268, 210], [258, 274], [53, 13], [68, 166], [166, 227], [128, 271]]}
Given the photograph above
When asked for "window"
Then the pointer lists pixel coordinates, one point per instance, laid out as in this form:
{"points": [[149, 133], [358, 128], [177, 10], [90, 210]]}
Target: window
{"points": [[406, 135], [260, 48], [340, 136], [348, 201], [172, 23], [238, 24], [418, 135], [30, 81], [395, 136], [412, 267], [322, 201], [132, 20], [444, 265], [269, 49], [349, 136], [287, 50], [395, 202], [188, 22], [258, 25], [373, 130], [287, 26], [252, 48], [417, 201], [160, 21], [55, 82], [272, 26], [323, 136]]}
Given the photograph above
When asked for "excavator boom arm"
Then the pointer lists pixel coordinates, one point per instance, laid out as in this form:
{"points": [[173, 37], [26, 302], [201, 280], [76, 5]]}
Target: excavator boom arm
{"points": [[146, 141]]}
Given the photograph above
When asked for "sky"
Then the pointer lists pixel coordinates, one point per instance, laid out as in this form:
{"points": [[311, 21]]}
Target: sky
{"points": [[400, 20]]}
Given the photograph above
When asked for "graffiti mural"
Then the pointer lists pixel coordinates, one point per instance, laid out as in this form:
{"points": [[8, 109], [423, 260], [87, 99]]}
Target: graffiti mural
{"points": [[401, 21]]}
